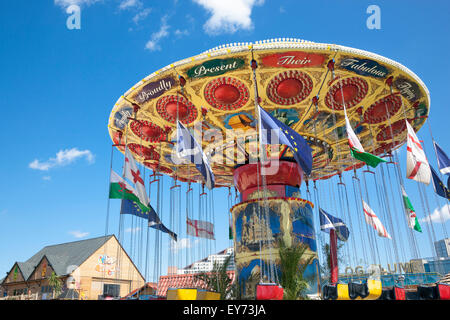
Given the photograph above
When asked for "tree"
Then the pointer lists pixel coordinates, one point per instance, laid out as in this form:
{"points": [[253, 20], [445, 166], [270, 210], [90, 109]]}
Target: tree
{"points": [[218, 280], [55, 282], [326, 265], [292, 265]]}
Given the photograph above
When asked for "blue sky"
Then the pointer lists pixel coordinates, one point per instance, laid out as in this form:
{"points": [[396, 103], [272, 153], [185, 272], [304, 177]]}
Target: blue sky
{"points": [[58, 87]]}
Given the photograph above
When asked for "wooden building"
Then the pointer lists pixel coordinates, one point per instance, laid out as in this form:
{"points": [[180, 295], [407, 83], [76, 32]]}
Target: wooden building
{"points": [[91, 269]]}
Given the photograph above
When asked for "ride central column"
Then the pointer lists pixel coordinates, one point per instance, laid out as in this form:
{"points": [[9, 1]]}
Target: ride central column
{"points": [[256, 231]]}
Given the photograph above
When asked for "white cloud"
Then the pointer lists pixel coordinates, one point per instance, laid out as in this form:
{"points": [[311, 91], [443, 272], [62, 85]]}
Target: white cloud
{"points": [[438, 215], [181, 33], [66, 3], [141, 15], [132, 230], [47, 178], [78, 234], [153, 43], [127, 4], [63, 158], [183, 243], [228, 16]]}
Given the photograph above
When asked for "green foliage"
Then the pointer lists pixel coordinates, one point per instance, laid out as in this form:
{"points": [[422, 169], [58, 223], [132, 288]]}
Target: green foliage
{"points": [[293, 265], [55, 282], [218, 280]]}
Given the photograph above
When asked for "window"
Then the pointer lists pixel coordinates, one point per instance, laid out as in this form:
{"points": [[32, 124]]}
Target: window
{"points": [[112, 290]]}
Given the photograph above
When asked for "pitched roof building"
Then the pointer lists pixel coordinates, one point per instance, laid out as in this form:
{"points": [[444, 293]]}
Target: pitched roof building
{"points": [[93, 268]]}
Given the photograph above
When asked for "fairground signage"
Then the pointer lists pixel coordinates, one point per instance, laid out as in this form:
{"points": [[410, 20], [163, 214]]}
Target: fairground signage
{"points": [[364, 67], [215, 67], [294, 59], [396, 268], [410, 90], [155, 89]]}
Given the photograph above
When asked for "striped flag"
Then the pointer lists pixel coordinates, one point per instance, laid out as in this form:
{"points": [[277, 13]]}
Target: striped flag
{"points": [[200, 229], [417, 167], [372, 219]]}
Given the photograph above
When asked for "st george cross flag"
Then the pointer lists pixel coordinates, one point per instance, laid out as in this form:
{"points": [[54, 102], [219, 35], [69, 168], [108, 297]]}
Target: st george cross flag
{"points": [[443, 160], [356, 148], [372, 219], [200, 229], [119, 188], [327, 222], [189, 148], [438, 185], [285, 135], [413, 222], [417, 167], [132, 173]]}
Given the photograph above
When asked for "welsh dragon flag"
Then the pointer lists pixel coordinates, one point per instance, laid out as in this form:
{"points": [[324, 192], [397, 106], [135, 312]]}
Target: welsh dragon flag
{"points": [[413, 223], [372, 219], [119, 188], [357, 149]]}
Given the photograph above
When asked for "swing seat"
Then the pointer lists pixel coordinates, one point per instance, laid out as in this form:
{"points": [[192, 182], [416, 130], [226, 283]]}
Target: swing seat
{"points": [[181, 294], [269, 291], [357, 290], [399, 293], [342, 291], [207, 295], [375, 289], [443, 291], [329, 292], [427, 292]]}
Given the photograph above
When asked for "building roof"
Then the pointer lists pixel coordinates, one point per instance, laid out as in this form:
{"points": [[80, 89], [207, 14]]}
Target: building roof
{"points": [[61, 256], [183, 281]]}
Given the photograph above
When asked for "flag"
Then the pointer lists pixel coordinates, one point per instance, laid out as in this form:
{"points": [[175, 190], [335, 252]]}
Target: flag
{"points": [[131, 207], [417, 167], [372, 219], [189, 148], [443, 160], [132, 173], [285, 135], [413, 222], [327, 222], [119, 188], [200, 229], [438, 186], [356, 148]]}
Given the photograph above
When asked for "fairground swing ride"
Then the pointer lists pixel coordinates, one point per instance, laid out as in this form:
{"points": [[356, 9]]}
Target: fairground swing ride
{"points": [[262, 118]]}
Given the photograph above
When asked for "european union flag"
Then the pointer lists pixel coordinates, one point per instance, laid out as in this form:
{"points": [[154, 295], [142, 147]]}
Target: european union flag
{"points": [[130, 207], [327, 222], [439, 187], [443, 161], [287, 136]]}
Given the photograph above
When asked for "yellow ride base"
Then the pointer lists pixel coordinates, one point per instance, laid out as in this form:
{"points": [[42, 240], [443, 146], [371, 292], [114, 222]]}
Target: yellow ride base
{"points": [[182, 294], [375, 289], [208, 295]]}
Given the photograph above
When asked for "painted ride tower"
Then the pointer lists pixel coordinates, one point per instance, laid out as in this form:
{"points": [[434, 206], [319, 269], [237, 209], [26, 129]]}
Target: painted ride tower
{"points": [[261, 221]]}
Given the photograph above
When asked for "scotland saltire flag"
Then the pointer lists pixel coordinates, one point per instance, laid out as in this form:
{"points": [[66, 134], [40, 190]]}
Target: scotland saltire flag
{"points": [[287, 136], [130, 207], [189, 149], [439, 187], [328, 222], [443, 160]]}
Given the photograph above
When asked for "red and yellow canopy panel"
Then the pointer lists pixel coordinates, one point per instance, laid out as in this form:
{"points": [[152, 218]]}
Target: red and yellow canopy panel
{"points": [[213, 94]]}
